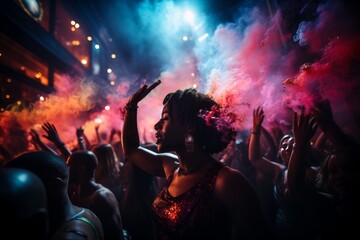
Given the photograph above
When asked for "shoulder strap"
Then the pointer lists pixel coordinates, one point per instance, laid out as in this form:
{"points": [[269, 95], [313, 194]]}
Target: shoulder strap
{"points": [[84, 219]]}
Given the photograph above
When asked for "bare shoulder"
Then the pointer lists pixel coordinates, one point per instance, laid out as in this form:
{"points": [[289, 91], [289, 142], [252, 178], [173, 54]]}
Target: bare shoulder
{"points": [[105, 200], [230, 177], [241, 201], [105, 193], [232, 185]]}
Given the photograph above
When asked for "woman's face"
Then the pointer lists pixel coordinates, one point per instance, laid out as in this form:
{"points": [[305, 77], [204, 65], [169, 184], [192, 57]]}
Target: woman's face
{"points": [[169, 132], [286, 146]]}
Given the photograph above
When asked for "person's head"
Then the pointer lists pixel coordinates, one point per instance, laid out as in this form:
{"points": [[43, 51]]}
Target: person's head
{"points": [[82, 165], [190, 115], [50, 168], [339, 172], [285, 148], [107, 161], [23, 205]]}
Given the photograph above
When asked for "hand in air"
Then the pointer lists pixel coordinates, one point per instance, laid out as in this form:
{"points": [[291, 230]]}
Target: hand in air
{"points": [[142, 92], [79, 132], [35, 137], [304, 128], [258, 118], [52, 133]]}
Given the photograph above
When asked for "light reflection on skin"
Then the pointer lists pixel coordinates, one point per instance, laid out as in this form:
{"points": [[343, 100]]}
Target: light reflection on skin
{"points": [[286, 147]]}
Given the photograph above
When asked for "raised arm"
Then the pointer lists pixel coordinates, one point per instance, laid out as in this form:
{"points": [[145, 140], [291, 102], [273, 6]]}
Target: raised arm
{"points": [[272, 147], [112, 134], [53, 136], [328, 125], [147, 160], [256, 158], [35, 137], [304, 128], [80, 138], [98, 137]]}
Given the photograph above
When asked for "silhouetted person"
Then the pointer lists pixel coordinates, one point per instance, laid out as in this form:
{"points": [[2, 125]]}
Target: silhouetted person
{"points": [[90, 194], [23, 205], [66, 220]]}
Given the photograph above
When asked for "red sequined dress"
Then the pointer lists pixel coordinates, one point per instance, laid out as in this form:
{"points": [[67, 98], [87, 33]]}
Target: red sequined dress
{"points": [[194, 214]]}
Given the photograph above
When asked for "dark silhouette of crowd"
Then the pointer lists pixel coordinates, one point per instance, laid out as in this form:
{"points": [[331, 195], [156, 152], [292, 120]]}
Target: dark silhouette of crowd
{"points": [[196, 181]]}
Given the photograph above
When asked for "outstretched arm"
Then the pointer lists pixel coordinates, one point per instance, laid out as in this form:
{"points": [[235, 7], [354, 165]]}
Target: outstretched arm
{"points": [[53, 136], [36, 139], [304, 129], [328, 125], [130, 133], [112, 134], [98, 137], [267, 167], [272, 148], [147, 160], [80, 138]]}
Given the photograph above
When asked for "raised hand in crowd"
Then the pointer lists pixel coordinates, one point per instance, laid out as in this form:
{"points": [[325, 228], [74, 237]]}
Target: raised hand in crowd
{"points": [[268, 167], [325, 119], [35, 137], [80, 138], [54, 137], [304, 128]]}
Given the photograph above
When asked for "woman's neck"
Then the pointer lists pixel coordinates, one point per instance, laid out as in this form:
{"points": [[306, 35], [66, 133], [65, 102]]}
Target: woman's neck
{"points": [[193, 162]]}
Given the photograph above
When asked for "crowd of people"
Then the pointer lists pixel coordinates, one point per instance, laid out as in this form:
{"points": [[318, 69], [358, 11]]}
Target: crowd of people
{"points": [[198, 181]]}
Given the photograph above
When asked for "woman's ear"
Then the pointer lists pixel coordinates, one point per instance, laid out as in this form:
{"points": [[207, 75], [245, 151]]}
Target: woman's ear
{"points": [[58, 182], [189, 139]]}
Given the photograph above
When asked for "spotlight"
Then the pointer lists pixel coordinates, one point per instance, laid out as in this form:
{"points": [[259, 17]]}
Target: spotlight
{"points": [[189, 16], [203, 37]]}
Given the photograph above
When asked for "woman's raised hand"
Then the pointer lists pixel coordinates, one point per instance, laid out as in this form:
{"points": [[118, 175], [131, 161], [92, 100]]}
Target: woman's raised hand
{"points": [[141, 93], [258, 118]]}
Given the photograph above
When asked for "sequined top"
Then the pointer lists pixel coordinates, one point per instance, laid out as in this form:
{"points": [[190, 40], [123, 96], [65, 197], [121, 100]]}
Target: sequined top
{"points": [[194, 214]]}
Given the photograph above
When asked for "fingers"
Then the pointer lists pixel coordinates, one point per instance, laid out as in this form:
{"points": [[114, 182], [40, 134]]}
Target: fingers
{"points": [[33, 131], [313, 124], [147, 89], [47, 137], [304, 126], [154, 85], [258, 111], [49, 127], [143, 92], [45, 127], [32, 134], [295, 120]]}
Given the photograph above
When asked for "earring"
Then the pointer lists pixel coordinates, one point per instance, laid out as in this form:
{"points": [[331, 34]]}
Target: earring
{"points": [[189, 142]]}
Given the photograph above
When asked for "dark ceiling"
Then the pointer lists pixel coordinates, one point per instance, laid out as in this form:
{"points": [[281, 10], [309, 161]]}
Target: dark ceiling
{"points": [[136, 27], [134, 39]]}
